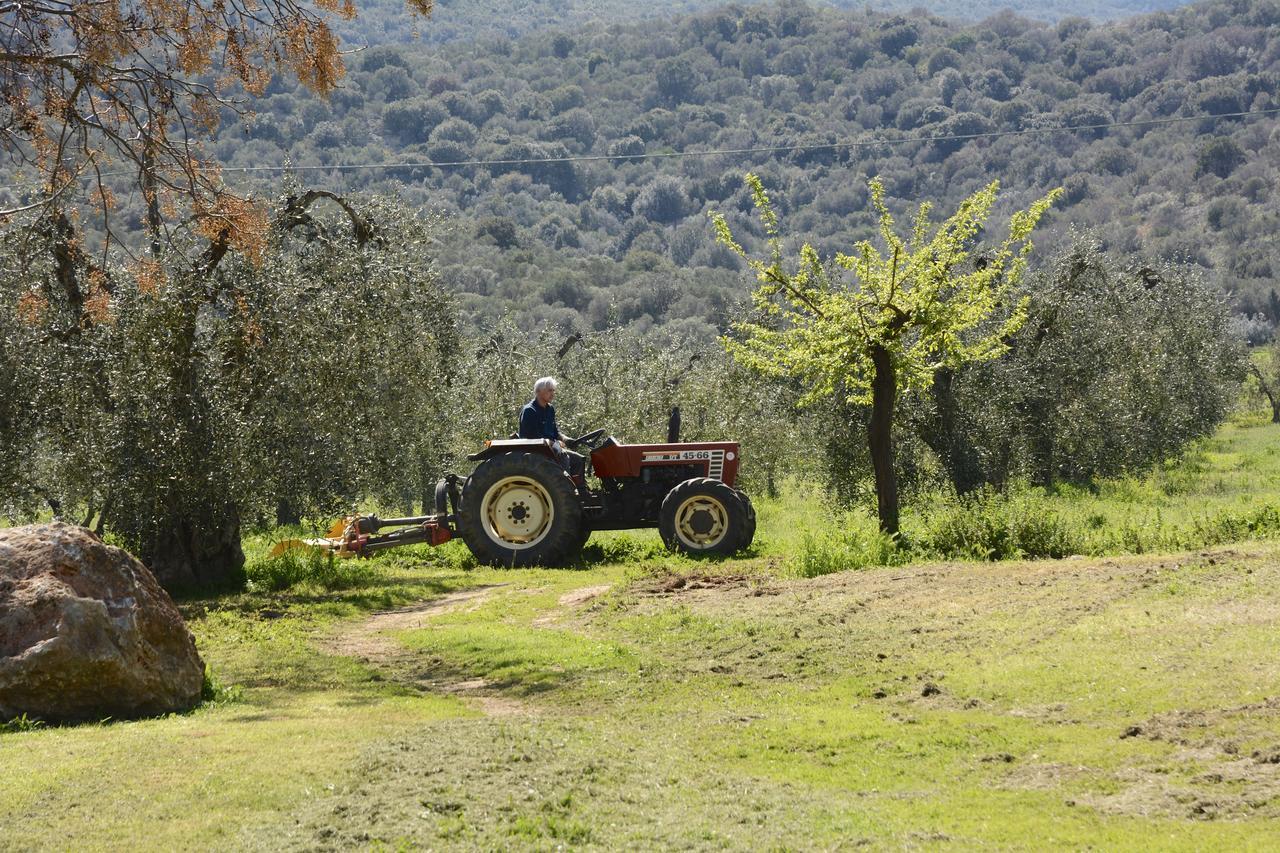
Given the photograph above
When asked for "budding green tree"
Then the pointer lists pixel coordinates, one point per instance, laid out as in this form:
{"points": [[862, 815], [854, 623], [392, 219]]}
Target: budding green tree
{"points": [[868, 325]]}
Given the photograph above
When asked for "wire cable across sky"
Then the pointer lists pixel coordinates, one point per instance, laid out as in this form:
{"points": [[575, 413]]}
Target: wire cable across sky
{"points": [[763, 149], [864, 142]]}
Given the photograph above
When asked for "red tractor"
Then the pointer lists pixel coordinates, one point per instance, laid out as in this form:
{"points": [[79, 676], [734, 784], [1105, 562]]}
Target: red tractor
{"points": [[520, 508]]}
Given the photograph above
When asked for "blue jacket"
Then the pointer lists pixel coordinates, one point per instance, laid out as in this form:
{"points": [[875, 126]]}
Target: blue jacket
{"points": [[538, 421]]}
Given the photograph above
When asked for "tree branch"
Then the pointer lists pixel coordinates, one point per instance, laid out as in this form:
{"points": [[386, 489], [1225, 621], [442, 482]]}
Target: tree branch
{"points": [[295, 213]]}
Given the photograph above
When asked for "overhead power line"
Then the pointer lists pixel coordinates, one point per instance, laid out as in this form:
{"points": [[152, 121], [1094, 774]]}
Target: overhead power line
{"points": [[864, 142], [764, 149]]}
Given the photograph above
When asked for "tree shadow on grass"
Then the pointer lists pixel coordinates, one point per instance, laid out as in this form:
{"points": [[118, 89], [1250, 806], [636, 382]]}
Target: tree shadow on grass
{"points": [[447, 678]]}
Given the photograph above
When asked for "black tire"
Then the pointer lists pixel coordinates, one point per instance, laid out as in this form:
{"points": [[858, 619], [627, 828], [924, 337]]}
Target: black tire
{"points": [[702, 517], [749, 533], [447, 498], [546, 510]]}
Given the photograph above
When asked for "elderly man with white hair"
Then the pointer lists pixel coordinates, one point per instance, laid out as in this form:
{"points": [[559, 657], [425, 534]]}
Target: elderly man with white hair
{"points": [[538, 420]]}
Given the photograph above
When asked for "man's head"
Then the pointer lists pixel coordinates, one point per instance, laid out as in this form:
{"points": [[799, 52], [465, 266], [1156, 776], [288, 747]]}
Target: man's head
{"points": [[544, 390]]}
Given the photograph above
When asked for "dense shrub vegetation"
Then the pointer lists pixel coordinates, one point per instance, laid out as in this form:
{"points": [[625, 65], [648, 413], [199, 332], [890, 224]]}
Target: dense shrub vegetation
{"points": [[179, 408], [888, 314], [582, 246], [383, 21], [1119, 365]]}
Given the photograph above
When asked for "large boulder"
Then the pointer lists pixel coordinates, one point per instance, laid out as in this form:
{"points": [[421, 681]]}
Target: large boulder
{"points": [[86, 632]]}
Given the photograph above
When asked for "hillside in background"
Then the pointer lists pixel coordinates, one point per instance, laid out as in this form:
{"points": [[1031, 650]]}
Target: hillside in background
{"points": [[384, 21], [584, 244]]}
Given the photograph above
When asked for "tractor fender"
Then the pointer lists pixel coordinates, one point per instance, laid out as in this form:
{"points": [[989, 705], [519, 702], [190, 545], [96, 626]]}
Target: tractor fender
{"points": [[503, 446]]}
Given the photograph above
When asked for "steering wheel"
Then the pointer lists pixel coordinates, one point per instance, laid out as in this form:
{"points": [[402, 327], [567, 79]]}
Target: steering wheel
{"points": [[590, 440]]}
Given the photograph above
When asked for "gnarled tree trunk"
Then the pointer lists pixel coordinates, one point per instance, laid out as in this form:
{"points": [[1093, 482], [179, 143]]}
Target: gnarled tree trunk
{"points": [[1271, 395], [187, 554]]}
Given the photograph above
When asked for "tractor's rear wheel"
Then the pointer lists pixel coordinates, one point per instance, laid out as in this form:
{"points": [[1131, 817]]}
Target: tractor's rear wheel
{"points": [[703, 517], [521, 510]]}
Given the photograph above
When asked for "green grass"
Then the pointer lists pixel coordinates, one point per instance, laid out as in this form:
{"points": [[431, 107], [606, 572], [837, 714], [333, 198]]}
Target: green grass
{"points": [[1224, 489], [773, 701]]}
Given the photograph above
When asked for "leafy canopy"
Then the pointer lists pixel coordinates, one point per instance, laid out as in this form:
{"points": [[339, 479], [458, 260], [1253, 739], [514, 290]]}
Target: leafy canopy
{"points": [[929, 300]]}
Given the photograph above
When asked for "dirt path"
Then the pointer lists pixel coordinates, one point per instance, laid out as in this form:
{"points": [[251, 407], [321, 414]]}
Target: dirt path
{"points": [[582, 596], [370, 641]]}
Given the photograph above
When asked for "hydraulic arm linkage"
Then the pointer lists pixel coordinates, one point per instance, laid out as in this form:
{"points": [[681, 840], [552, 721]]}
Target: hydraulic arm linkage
{"points": [[362, 536]]}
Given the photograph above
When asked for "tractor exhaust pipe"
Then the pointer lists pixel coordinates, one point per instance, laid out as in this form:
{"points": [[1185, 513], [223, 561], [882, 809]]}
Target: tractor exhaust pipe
{"points": [[673, 426]]}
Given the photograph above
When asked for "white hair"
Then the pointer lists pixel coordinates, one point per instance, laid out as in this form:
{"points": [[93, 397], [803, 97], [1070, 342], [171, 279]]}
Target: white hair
{"points": [[544, 382]]}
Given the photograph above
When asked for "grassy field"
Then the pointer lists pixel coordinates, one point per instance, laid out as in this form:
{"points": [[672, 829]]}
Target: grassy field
{"points": [[1224, 489], [642, 700]]}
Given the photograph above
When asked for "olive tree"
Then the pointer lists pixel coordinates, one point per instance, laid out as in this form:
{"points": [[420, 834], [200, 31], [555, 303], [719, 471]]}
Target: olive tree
{"points": [[908, 309], [1265, 368], [184, 399], [1118, 367]]}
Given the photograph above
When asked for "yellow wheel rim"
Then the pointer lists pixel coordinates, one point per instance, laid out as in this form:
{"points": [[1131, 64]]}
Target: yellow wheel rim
{"points": [[701, 522], [517, 512]]}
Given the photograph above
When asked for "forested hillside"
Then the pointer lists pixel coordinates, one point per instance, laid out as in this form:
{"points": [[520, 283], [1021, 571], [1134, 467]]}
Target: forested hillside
{"points": [[590, 242], [384, 22]]}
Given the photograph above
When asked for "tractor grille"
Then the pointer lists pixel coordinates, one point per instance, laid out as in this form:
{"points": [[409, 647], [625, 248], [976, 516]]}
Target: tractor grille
{"points": [[715, 465]]}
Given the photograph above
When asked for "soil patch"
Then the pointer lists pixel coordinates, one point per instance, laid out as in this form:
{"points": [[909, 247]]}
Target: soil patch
{"points": [[368, 640], [1221, 790], [675, 584], [569, 601], [582, 596]]}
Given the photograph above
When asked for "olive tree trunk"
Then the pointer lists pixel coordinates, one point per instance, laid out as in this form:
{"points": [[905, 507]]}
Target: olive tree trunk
{"points": [[946, 436], [194, 543], [1271, 396], [187, 554]]}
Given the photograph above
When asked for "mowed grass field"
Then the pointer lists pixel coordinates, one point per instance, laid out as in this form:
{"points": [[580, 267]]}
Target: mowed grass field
{"points": [[641, 700]]}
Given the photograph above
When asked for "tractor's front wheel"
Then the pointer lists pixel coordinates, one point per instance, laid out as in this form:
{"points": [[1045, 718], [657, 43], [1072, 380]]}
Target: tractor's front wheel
{"points": [[521, 510], [703, 517]]}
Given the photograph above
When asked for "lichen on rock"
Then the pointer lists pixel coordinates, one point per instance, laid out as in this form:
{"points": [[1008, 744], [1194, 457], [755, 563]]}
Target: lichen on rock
{"points": [[86, 632]]}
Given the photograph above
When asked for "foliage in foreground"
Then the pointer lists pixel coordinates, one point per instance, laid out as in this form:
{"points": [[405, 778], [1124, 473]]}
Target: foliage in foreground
{"points": [[307, 566], [21, 723], [214, 692], [1025, 524]]}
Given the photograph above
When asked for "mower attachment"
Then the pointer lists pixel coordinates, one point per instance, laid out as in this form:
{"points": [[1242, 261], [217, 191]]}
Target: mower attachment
{"points": [[359, 536]]}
